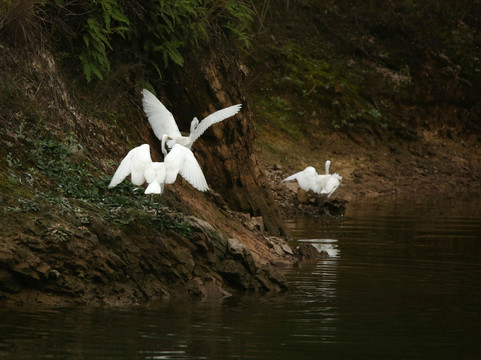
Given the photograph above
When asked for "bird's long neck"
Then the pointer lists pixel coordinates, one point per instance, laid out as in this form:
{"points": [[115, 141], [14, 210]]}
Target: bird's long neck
{"points": [[164, 139], [328, 164]]}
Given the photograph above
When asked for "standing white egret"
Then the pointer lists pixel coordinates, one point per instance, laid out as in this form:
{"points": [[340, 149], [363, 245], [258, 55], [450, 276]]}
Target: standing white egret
{"points": [[163, 122]]}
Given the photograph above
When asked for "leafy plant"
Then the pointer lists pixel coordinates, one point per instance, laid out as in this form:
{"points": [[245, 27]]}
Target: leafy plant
{"points": [[175, 222], [105, 21], [154, 33]]}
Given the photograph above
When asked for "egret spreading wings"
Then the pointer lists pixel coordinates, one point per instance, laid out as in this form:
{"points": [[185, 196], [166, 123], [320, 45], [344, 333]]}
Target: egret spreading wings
{"points": [[163, 122], [139, 165], [309, 179]]}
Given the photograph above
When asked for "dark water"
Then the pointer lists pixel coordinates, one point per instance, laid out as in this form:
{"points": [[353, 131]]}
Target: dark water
{"points": [[403, 282]]}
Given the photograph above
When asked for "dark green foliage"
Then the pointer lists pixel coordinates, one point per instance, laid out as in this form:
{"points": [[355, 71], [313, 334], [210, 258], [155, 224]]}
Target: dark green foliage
{"points": [[79, 181], [175, 222], [152, 33]]}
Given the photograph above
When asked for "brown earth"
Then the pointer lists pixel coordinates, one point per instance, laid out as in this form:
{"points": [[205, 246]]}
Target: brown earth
{"points": [[431, 166]]}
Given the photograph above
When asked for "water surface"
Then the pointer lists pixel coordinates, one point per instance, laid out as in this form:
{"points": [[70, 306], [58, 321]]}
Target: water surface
{"points": [[403, 282]]}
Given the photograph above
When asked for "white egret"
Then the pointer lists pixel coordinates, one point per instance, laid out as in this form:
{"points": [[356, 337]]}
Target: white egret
{"points": [[133, 164], [163, 122], [309, 179], [139, 165]]}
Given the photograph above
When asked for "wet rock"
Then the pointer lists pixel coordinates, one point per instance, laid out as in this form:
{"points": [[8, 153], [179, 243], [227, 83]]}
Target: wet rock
{"points": [[279, 246], [242, 253], [236, 274], [278, 250], [309, 252], [96, 264], [286, 248], [8, 282], [271, 278]]}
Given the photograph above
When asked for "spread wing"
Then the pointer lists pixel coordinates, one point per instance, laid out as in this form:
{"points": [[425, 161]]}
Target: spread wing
{"points": [[132, 164], [305, 178], [122, 171], [212, 119], [161, 119], [181, 160], [331, 186]]}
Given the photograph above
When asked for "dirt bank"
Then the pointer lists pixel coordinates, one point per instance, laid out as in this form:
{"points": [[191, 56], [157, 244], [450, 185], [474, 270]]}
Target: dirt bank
{"points": [[430, 166]]}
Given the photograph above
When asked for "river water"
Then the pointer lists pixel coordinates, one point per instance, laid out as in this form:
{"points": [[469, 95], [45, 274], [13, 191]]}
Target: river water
{"points": [[403, 281]]}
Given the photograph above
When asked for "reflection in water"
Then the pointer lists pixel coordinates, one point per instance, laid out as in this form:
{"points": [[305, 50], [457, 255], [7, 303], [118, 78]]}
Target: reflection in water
{"points": [[403, 281], [327, 245]]}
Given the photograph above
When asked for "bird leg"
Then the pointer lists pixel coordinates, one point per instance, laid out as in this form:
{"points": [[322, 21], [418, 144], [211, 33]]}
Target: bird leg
{"points": [[157, 211], [160, 220]]}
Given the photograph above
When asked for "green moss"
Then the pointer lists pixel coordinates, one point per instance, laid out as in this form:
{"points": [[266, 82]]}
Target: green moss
{"points": [[305, 94]]}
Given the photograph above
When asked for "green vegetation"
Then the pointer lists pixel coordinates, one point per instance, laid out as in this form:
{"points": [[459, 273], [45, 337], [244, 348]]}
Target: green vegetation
{"points": [[55, 174], [151, 33], [305, 87], [175, 222]]}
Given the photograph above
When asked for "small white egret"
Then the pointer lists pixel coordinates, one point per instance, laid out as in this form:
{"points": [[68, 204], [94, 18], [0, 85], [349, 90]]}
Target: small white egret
{"points": [[163, 122]]}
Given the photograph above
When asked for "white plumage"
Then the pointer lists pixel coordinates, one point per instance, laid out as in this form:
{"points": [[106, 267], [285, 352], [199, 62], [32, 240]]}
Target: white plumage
{"points": [[331, 184], [163, 122], [133, 164], [309, 179], [139, 165], [305, 178]]}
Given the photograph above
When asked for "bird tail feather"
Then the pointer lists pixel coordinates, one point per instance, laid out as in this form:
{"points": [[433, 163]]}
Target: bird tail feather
{"points": [[153, 188]]}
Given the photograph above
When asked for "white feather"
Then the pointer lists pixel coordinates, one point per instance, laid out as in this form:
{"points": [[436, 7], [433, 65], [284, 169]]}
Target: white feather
{"points": [[181, 160], [133, 164], [163, 122], [309, 179], [305, 178], [212, 119], [155, 176], [161, 119]]}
